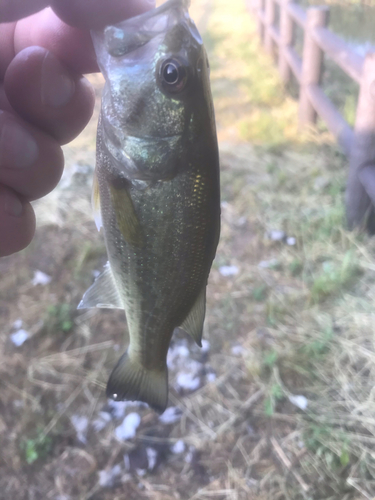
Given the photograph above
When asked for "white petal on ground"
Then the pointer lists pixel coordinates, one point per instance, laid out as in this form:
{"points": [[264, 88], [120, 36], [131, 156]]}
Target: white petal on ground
{"points": [[19, 337], [205, 346], [17, 325], [176, 355], [189, 455], [189, 376], [241, 221], [171, 415], [178, 447], [152, 456], [300, 401], [276, 235], [211, 377], [238, 350], [118, 408], [129, 426], [266, 264], [107, 477], [80, 425], [188, 381], [291, 241], [102, 421], [228, 270], [41, 278]]}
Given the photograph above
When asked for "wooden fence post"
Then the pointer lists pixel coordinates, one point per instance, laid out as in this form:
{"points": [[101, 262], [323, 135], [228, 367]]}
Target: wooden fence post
{"points": [[286, 40], [312, 60], [270, 14], [360, 192]]}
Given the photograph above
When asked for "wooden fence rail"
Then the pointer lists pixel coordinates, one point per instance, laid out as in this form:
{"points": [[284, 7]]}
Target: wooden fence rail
{"points": [[358, 143]]}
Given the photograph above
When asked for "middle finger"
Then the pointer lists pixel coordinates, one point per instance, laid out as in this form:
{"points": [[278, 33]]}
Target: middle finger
{"points": [[44, 92], [31, 162]]}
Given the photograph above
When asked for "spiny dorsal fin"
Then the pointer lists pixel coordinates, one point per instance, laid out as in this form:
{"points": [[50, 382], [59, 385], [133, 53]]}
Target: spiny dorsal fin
{"points": [[193, 323], [129, 380], [95, 202], [126, 216], [102, 293]]}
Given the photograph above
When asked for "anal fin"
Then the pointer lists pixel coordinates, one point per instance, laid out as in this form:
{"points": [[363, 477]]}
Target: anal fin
{"points": [[129, 380], [193, 323], [102, 293]]}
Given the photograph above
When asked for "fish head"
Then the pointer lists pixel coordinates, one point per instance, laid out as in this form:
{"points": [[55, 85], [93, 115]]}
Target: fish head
{"points": [[157, 90]]}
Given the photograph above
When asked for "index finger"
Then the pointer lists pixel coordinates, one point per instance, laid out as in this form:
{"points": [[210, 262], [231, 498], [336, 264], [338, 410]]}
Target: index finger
{"points": [[12, 10], [96, 13], [71, 45]]}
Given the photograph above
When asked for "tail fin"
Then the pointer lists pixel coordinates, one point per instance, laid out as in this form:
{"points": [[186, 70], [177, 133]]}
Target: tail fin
{"points": [[130, 380]]}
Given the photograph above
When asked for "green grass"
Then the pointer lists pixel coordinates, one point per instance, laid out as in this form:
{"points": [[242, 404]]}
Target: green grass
{"points": [[36, 448], [59, 318]]}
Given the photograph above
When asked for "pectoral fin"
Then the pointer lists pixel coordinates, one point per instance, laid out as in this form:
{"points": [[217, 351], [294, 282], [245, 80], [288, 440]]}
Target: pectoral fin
{"points": [[126, 217], [193, 323], [103, 292], [95, 202]]}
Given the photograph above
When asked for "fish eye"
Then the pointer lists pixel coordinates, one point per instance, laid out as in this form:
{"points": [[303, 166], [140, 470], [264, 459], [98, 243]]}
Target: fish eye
{"points": [[173, 76]]}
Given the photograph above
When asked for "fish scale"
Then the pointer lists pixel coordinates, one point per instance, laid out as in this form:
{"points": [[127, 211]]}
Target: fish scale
{"points": [[156, 192]]}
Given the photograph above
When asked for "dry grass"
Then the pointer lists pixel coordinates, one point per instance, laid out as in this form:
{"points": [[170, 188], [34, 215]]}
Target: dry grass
{"points": [[297, 320]]}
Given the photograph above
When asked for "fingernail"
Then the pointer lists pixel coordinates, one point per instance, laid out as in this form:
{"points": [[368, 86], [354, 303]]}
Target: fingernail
{"points": [[12, 204], [18, 148], [57, 87]]}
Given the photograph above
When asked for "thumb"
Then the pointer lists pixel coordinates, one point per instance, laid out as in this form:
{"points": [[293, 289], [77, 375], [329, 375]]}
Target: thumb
{"points": [[12, 10]]}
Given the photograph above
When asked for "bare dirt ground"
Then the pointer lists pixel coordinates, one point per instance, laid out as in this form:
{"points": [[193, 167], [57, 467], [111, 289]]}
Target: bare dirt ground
{"points": [[279, 403]]}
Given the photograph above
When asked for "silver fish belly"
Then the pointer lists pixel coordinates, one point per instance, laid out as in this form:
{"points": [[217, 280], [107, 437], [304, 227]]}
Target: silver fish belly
{"points": [[156, 190]]}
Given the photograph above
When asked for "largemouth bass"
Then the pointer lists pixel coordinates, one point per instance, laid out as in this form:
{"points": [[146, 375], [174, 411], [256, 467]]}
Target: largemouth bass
{"points": [[156, 191]]}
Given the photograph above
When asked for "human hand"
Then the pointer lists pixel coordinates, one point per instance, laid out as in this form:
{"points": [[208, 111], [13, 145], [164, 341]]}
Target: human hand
{"points": [[44, 99]]}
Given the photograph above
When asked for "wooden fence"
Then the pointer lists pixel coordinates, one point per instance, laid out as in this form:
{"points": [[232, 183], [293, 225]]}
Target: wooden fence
{"points": [[358, 144]]}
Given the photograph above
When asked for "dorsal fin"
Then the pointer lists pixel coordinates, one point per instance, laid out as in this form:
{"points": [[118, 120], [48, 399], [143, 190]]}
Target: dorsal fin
{"points": [[102, 293], [193, 323]]}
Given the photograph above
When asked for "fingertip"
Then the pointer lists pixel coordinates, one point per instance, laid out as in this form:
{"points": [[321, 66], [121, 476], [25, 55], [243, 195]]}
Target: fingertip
{"points": [[17, 222], [72, 46]]}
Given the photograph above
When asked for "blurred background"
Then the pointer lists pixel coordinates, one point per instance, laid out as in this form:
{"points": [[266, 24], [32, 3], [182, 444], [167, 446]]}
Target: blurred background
{"points": [[279, 403]]}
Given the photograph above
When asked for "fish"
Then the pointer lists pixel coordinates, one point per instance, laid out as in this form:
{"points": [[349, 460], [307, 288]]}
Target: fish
{"points": [[156, 190]]}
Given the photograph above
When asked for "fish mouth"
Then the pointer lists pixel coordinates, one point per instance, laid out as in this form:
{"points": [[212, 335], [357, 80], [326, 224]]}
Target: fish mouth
{"points": [[127, 36]]}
